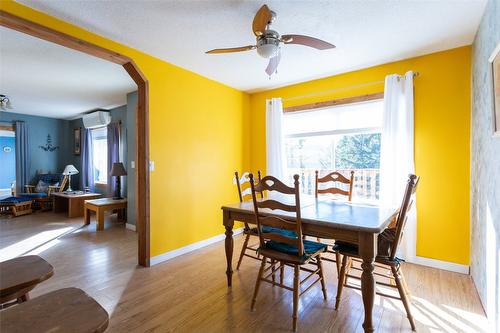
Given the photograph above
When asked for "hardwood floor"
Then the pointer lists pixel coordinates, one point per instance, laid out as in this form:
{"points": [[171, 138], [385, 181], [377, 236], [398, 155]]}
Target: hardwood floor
{"points": [[189, 293]]}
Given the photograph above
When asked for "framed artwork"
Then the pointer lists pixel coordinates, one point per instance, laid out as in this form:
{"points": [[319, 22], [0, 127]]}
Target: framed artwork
{"points": [[495, 68], [77, 136]]}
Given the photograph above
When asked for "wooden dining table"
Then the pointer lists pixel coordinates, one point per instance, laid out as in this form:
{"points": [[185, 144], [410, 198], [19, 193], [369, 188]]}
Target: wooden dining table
{"points": [[355, 223]]}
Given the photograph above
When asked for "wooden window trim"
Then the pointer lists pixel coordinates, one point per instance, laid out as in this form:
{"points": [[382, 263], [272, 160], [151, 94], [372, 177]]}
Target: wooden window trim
{"points": [[334, 102]]}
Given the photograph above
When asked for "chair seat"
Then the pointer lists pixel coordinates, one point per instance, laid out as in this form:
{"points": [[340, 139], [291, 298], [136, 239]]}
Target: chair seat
{"points": [[267, 229], [34, 195], [351, 250], [310, 247]]}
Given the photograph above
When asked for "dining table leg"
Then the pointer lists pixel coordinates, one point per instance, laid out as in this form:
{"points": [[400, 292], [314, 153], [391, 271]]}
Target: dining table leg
{"points": [[367, 252], [229, 245]]}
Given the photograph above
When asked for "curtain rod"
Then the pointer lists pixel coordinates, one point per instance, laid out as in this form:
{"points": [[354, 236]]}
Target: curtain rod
{"points": [[415, 74]]}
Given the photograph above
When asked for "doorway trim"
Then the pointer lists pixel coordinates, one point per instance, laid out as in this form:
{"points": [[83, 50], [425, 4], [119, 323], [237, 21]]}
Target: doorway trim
{"points": [[142, 124]]}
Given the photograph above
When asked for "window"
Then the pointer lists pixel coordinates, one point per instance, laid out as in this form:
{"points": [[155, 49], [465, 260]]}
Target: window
{"points": [[100, 152], [339, 138]]}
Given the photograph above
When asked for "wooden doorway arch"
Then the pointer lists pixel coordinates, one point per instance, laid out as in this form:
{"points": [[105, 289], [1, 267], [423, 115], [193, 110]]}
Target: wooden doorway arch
{"points": [[142, 124]]}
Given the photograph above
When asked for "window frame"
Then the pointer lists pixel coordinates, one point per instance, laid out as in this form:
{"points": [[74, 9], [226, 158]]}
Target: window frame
{"points": [[378, 97]]}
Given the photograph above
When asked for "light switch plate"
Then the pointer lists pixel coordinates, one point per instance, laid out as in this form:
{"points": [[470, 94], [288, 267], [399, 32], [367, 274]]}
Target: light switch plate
{"points": [[132, 164], [151, 166]]}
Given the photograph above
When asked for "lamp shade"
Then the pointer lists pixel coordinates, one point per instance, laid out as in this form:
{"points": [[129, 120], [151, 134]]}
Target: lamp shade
{"points": [[118, 170], [70, 170]]}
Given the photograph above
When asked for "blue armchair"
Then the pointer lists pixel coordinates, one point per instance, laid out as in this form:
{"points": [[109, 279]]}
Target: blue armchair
{"points": [[46, 185]]}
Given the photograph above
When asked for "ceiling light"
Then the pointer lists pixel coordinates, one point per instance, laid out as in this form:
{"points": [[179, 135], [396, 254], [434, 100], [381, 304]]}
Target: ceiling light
{"points": [[5, 103], [267, 50]]}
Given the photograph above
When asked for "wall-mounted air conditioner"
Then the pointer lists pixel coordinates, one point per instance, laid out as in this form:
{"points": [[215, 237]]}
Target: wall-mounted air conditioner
{"points": [[96, 119]]}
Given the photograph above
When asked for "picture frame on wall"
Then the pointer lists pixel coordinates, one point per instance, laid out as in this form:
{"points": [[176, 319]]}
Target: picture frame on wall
{"points": [[494, 61], [77, 136]]}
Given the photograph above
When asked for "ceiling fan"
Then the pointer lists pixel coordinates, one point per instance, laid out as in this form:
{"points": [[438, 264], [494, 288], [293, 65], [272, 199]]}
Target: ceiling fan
{"points": [[268, 41]]}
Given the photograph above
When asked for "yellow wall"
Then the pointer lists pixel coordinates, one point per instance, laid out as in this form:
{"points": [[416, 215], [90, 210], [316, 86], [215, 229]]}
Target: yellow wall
{"points": [[442, 118], [197, 140], [201, 131]]}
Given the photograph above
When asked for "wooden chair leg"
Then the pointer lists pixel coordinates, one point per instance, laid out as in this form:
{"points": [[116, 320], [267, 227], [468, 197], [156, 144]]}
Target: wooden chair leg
{"points": [[273, 266], [321, 275], [243, 249], [296, 281], [404, 296], [282, 272], [338, 261], [341, 281], [257, 283]]}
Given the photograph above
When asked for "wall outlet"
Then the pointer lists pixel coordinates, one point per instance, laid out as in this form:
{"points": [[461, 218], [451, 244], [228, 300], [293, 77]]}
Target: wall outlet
{"points": [[151, 166], [132, 164]]}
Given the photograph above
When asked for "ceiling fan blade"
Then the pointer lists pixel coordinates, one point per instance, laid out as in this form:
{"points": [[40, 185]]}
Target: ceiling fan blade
{"points": [[261, 19], [273, 64], [307, 41], [232, 49]]}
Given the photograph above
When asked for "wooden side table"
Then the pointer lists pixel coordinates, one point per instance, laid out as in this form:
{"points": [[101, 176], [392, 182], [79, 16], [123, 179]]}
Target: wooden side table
{"points": [[72, 203], [99, 206]]}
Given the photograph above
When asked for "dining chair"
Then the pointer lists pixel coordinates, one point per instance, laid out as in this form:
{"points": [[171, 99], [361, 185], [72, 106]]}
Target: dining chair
{"points": [[387, 246], [334, 177], [245, 193], [287, 248]]}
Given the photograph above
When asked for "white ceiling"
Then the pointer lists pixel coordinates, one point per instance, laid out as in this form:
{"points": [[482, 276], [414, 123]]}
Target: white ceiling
{"points": [[45, 79], [366, 32]]}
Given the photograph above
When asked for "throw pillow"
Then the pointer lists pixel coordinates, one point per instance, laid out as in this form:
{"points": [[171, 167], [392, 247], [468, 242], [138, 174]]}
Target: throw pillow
{"points": [[41, 187]]}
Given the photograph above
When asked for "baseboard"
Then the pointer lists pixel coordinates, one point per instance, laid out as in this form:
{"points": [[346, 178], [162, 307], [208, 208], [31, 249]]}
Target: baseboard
{"points": [[130, 226], [446, 265], [189, 248]]}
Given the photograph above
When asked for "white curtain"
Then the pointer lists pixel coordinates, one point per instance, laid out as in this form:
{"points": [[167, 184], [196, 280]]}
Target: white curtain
{"points": [[396, 156], [275, 155]]}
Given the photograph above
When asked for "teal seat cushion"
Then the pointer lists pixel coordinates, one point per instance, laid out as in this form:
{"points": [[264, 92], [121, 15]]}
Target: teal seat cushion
{"points": [[310, 247], [267, 229], [284, 232]]}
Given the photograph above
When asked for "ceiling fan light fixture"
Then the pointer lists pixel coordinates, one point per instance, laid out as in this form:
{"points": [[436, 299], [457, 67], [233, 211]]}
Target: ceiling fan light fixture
{"points": [[267, 50], [269, 41]]}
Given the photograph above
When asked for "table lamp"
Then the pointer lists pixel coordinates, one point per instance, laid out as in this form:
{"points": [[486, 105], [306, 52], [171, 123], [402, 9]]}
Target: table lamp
{"points": [[68, 171], [117, 171]]}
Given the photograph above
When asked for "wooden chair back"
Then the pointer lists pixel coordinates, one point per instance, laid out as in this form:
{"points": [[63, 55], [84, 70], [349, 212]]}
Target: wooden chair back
{"points": [[60, 188], [270, 183], [243, 184], [411, 187], [334, 177]]}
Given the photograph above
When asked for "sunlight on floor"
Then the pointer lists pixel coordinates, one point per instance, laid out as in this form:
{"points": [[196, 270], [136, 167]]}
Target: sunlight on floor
{"points": [[447, 321], [32, 243], [436, 318]]}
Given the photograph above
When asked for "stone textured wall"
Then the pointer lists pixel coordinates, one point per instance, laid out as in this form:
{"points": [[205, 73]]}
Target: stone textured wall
{"points": [[485, 170]]}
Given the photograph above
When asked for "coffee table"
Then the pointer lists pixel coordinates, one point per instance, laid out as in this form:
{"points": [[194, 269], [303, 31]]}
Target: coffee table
{"points": [[99, 206], [72, 203]]}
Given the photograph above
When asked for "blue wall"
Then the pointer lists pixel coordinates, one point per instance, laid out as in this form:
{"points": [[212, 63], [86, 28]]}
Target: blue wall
{"points": [[38, 128], [7, 161], [61, 132]]}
